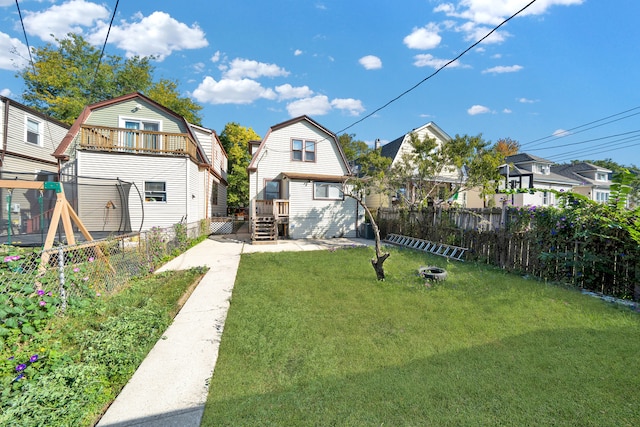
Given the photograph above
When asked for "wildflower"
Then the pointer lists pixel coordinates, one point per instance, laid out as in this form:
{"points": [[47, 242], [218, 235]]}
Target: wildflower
{"points": [[91, 259], [21, 367], [19, 377], [98, 294], [40, 292], [33, 358], [85, 278], [75, 270], [50, 294], [10, 358], [42, 303]]}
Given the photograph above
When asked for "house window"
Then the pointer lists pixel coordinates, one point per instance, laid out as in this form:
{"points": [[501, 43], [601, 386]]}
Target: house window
{"points": [[541, 168], [328, 190], [214, 194], [32, 131], [303, 150], [155, 191], [601, 176], [546, 198], [272, 190], [146, 140], [602, 196]]}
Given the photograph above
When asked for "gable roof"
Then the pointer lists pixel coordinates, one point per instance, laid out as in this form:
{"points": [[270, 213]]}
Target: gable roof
{"points": [[574, 171], [9, 101], [59, 153], [304, 118], [391, 149], [526, 158]]}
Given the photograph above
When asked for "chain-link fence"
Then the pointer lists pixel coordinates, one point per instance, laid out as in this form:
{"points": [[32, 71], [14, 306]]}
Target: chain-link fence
{"points": [[88, 269]]}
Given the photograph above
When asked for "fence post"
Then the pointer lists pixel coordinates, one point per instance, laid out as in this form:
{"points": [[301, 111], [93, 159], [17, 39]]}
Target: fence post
{"points": [[63, 293]]}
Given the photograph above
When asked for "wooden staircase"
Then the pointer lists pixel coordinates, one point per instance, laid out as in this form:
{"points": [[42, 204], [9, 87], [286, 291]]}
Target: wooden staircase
{"points": [[264, 229]]}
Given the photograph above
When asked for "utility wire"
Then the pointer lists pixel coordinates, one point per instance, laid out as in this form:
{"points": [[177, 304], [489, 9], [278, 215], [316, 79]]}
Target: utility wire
{"points": [[438, 70], [591, 140], [25, 37], [95, 74], [571, 132]]}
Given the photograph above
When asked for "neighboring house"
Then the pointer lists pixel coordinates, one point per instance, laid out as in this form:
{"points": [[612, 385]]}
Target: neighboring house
{"points": [[594, 181], [296, 178], [28, 139], [396, 150], [526, 171], [156, 168]]}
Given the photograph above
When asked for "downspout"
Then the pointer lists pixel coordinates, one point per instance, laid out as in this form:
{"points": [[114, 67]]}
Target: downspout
{"points": [[5, 126]]}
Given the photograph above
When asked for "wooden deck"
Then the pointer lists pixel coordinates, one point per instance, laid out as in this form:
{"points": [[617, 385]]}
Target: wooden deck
{"points": [[269, 219]]}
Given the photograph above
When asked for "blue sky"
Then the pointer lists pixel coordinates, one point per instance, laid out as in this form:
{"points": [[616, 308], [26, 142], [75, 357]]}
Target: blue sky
{"points": [[561, 78]]}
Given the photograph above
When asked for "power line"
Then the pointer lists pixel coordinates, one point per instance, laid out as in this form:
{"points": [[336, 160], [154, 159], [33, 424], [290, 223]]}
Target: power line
{"points": [[25, 37], [592, 140], [570, 132], [571, 155], [113, 15], [438, 70]]}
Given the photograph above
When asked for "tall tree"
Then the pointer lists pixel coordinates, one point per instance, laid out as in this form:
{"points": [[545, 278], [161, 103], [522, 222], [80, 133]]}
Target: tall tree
{"points": [[434, 173], [507, 146], [235, 140], [65, 77], [353, 149]]}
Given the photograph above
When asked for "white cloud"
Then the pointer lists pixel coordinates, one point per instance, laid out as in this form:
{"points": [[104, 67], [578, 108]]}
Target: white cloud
{"points": [[59, 20], [216, 57], [503, 69], [478, 109], [240, 68], [428, 60], [424, 38], [286, 91], [473, 33], [370, 62], [493, 12], [317, 106], [13, 53], [561, 132], [6, 93], [507, 111], [297, 52], [526, 101], [157, 34], [228, 91], [352, 106]]}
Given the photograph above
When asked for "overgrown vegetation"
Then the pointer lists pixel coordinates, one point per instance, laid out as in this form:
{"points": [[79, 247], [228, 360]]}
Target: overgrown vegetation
{"points": [[66, 372], [313, 339]]}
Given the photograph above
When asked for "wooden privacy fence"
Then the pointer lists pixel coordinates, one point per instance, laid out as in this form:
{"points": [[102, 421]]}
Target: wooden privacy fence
{"points": [[607, 266]]}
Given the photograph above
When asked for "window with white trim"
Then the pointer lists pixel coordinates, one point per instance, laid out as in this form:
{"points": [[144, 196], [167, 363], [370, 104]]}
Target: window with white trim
{"points": [[33, 131], [602, 196], [328, 191], [602, 176], [303, 150], [142, 140], [155, 191], [541, 168]]}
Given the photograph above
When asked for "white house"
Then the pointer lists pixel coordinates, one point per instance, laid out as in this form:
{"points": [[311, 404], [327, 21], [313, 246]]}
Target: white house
{"points": [[28, 138], [156, 168], [526, 171], [594, 181], [296, 178]]}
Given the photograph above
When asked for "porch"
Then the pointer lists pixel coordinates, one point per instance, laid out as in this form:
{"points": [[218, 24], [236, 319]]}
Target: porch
{"points": [[269, 220], [123, 140]]}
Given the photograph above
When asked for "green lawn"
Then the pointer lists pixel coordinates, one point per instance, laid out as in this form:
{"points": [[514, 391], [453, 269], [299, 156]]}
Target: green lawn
{"points": [[312, 339]]}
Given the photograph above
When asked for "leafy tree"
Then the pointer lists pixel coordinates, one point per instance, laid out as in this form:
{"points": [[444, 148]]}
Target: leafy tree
{"points": [[436, 173], [507, 146], [371, 179], [65, 77], [235, 140], [353, 149]]}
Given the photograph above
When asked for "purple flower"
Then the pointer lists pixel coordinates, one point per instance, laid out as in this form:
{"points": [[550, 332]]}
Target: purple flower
{"points": [[85, 278], [42, 303], [10, 358], [7, 259], [40, 292], [19, 377], [50, 294], [75, 270], [91, 259], [21, 367], [33, 358], [98, 294]]}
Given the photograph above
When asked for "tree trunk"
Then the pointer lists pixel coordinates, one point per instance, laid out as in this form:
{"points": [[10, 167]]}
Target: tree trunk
{"points": [[377, 265]]}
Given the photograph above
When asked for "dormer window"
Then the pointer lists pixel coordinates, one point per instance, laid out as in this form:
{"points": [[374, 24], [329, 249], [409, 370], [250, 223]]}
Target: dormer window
{"points": [[602, 176], [541, 168]]}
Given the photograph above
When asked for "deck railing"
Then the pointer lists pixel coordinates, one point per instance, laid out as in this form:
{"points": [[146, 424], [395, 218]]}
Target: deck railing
{"points": [[278, 208], [136, 141]]}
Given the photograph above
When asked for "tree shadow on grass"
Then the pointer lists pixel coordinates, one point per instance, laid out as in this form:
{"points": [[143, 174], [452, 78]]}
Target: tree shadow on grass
{"points": [[563, 377]]}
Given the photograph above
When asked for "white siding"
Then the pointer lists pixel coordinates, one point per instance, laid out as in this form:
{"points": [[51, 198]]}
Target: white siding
{"points": [[138, 169], [111, 114]]}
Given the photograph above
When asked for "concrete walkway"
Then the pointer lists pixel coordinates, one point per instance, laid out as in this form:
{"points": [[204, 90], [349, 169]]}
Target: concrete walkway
{"points": [[171, 385]]}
